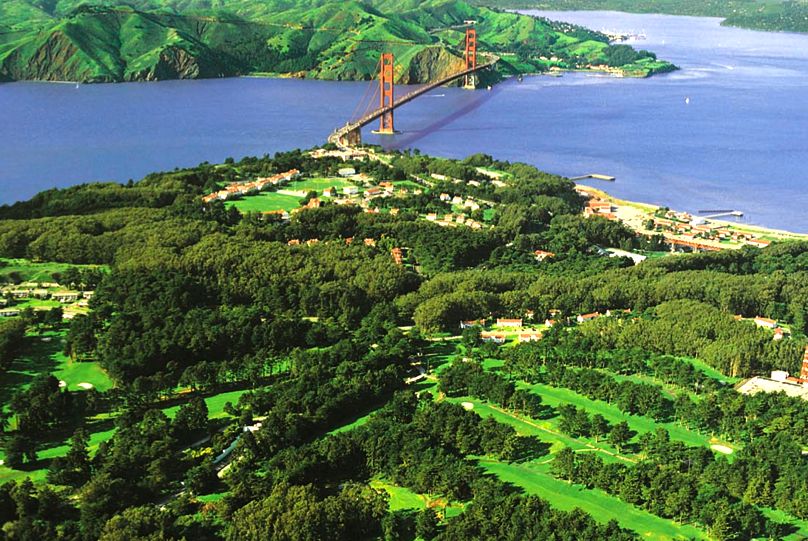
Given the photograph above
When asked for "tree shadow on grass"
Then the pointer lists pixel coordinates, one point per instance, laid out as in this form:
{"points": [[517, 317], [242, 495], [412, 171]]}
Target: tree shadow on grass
{"points": [[37, 358]]}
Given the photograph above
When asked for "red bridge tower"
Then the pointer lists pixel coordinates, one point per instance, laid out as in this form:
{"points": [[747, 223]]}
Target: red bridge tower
{"points": [[386, 93], [471, 54]]}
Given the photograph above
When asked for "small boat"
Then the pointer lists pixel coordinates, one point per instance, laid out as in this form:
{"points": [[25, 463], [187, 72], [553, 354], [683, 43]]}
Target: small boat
{"points": [[687, 100], [77, 85], [489, 87]]}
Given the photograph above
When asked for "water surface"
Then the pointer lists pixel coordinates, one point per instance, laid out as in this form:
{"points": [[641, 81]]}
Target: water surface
{"points": [[729, 130]]}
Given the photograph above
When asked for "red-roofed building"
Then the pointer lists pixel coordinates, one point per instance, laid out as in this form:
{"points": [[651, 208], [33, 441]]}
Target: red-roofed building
{"points": [[471, 323], [496, 337], [533, 336], [588, 317], [541, 255]]}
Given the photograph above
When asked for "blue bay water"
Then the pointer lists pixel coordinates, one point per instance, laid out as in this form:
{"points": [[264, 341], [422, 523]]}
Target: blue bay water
{"points": [[740, 143]]}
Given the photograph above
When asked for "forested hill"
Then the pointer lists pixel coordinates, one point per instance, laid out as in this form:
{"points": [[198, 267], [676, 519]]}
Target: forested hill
{"points": [[169, 39], [772, 15]]}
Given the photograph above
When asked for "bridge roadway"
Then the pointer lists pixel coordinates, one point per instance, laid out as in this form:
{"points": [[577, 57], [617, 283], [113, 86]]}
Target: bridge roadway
{"points": [[350, 134]]}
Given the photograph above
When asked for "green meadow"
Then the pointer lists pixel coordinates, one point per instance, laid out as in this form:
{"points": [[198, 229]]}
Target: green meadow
{"points": [[31, 271]]}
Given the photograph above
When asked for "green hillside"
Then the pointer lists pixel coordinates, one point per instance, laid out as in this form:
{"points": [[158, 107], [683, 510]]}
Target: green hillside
{"points": [[772, 15], [178, 39]]}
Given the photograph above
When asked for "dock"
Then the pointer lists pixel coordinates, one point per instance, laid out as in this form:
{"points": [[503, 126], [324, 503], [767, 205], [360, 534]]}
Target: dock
{"points": [[718, 213], [596, 176]]}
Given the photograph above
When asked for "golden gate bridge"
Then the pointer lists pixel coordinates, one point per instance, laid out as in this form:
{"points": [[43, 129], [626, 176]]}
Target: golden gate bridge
{"points": [[351, 133]]}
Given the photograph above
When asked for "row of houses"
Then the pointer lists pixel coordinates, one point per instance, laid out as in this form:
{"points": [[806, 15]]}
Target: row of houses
{"points": [[245, 188], [453, 220], [701, 229], [457, 201], [63, 296], [501, 338]]}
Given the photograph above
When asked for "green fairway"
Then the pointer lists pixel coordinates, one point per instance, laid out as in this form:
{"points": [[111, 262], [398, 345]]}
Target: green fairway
{"points": [[37, 475], [353, 424], [544, 430], [535, 479], [215, 404], [554, 396], [404, 498], [43, 355], [265, 202], [400, 497]]}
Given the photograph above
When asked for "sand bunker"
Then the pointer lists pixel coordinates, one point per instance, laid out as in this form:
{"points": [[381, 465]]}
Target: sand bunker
{"points": [[722, 449], [85, 386], [467, 405]]}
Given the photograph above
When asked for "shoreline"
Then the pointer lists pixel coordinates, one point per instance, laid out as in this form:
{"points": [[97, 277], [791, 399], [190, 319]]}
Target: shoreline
{"points": [[650, 209]]}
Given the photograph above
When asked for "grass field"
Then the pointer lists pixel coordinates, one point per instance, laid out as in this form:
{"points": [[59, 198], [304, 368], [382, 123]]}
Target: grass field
{"points": [[319, 184], [265, 202], [535, 479], [410, 185], [404, 498], [30, 271], [215, 404], [353, 424]]}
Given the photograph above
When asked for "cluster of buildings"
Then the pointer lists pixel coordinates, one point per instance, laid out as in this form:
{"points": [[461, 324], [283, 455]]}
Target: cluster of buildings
{"points": [[15, 298], [245, 188], [453, 220], [767, 323], [457, 201], [690, 228], [780, 381]]}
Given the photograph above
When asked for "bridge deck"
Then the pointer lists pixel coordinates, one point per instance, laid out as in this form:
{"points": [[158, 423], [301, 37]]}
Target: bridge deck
{"points": [[340, 133]]}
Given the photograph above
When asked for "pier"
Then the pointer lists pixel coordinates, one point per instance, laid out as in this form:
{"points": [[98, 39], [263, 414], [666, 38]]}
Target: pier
{"points": [[596, 176], [720, 213]]}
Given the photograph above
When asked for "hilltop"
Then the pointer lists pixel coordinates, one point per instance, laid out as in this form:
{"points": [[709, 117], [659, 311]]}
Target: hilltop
{"points": [[153, 40]]}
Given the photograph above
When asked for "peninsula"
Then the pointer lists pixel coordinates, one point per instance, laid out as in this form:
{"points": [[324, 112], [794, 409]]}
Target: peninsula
{"points": [[352, 344]]}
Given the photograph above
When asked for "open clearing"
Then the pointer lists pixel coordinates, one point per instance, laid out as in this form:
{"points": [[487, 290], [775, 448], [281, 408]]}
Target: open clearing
{"points": [[535, 479]]}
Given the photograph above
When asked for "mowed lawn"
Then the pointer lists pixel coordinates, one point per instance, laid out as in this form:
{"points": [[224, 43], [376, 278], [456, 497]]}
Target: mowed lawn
{"points": [[319, 184], [265, 202], [404, 498], [535, 479]]}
